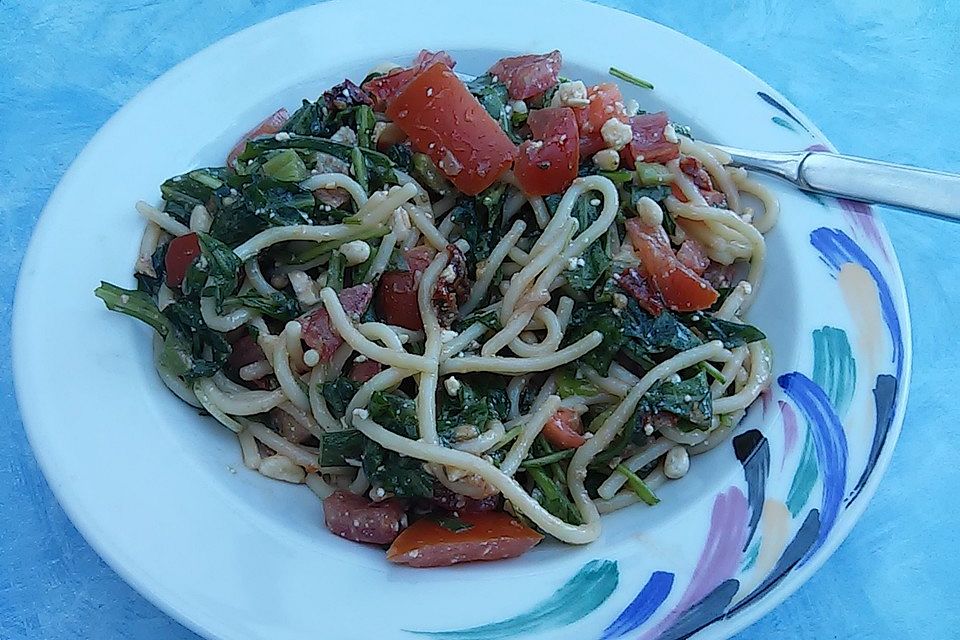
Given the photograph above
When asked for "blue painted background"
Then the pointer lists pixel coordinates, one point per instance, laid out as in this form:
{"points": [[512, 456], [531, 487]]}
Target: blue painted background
{"points": [[881, 79]]}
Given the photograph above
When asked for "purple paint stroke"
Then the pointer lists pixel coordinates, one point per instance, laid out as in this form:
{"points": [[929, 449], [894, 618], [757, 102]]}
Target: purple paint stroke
{"points": [[790, 431], [860, 216], [719, 558]]}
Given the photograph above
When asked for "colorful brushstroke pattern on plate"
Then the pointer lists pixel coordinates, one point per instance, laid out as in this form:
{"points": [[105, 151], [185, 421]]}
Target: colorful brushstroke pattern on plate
{"points": [[825, 431]]}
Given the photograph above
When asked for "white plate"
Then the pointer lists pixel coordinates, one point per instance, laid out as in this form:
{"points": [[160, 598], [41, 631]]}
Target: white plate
{"points": [[161, 494]]}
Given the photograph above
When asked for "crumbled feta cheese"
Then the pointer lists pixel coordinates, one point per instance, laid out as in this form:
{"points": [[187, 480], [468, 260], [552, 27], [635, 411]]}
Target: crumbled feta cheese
{"points": [[687, 398], [449, 274], [571, 94], [677, 463], [124, 298], [648, 429], [619, 301], [446, 335], [574, 263], [360, 358], [649, 212], [429, 91], [670, 134], [632, 107], [616, 134], [377, 494], [360, 413], [355, 252], [606, 160], [518, 106], [595, 202], [345, 135], [282, 136], [452, 385]]}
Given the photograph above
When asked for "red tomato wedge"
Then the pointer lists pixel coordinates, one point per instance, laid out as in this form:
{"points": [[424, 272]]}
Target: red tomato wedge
{"points": [[383, 89], [701, 178], [317, 330], [649, 143], [396, 300], [548, 164], [268, 126], [564, 429], [363, 371], [694, 255], [355, 518], [493, 535], [444, 121], [181, 252], [606, 102], [682, 289], [530, 75]]}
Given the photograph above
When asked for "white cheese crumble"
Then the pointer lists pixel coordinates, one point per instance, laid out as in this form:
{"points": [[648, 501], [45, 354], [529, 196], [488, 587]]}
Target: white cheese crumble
{"points": [[449, 274], [595, 202], [648, 429], [355, 252], [360, 413], [606, 160], [616, 134], [632, 107], [360, 358], [446, 335], [518, 106], [619, 301], [571, 94], [452, 385], [282, 136], [670, 134], [573, 263]]}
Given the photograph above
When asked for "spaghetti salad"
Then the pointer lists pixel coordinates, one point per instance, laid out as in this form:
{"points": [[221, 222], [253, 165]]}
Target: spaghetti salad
{"points": [[466, 315]]}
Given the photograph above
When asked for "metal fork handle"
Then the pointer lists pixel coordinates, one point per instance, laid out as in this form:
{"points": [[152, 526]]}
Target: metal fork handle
{"points": [[932, 192]]}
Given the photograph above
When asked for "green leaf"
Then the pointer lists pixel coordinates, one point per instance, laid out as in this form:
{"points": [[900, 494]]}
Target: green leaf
{"points": [[595, 258], [136, 304], [185, 348], [395, 413], [589, 317], [400, 475], [656, 335], [690, 399], [278, 306], [733, 334], [365, 120], [426, 173], [337, 447], [286, 166], [151, 284], [552, 496], [359, 169], [493, 96], [569, 384], [489, 319], [184, 192], [338, 394], [221, 266], [479, 400]]}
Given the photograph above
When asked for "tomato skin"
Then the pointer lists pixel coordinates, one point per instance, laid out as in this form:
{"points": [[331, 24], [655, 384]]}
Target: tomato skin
{"points": [[181, 252], [564, 429], [383, 89], [396, 300], [606, 102], [317, 330], [269, 125], [529, 75], [356, 518], [494, 535], [444, 121], [649, 141], [549, 163], [363, 371], [694, 255], [419, 257], [682, 289]]}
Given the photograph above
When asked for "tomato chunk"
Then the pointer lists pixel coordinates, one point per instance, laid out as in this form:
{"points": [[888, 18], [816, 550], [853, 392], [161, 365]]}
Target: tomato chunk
{"points": [[268, 126], [606, 102], [355, 518], [641, 288], [564, 429], [419, 257], [181, 252], [396, 300], [649, 143], [682, 289], [363, 371], [493, 535], [693, 255], [529, 75], [444, 121], [549, 163], [383, 89], [317, 330]]}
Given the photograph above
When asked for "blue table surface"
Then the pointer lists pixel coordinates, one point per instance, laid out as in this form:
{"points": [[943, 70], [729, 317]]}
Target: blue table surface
{"points": [[880, 79]]}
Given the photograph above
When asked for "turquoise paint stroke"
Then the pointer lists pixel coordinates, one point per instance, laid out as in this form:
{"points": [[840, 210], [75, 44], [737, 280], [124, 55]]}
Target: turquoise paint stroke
{"points": [[783, 123], [581, 594], [752, 554], [804, 479], [834, 367]]}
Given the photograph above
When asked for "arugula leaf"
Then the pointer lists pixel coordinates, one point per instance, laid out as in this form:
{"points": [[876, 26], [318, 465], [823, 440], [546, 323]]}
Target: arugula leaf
{"points": [[184, 192], [401, 155], [308, 120], [489, 319], [151, 284], [404, 477], [596, 261], [336, 447], [656, 335], [638, 486], [690, 399], [569, 384], [492, 95], [396, 413], [733, 334], [426, 173], [221, 266], [184, 349], [136, 304], [479, 400], [479, 222], [596, 316], [278, 306], [263, 202], [365, 122], [286, 166], [552, 496], [338, 394]]}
